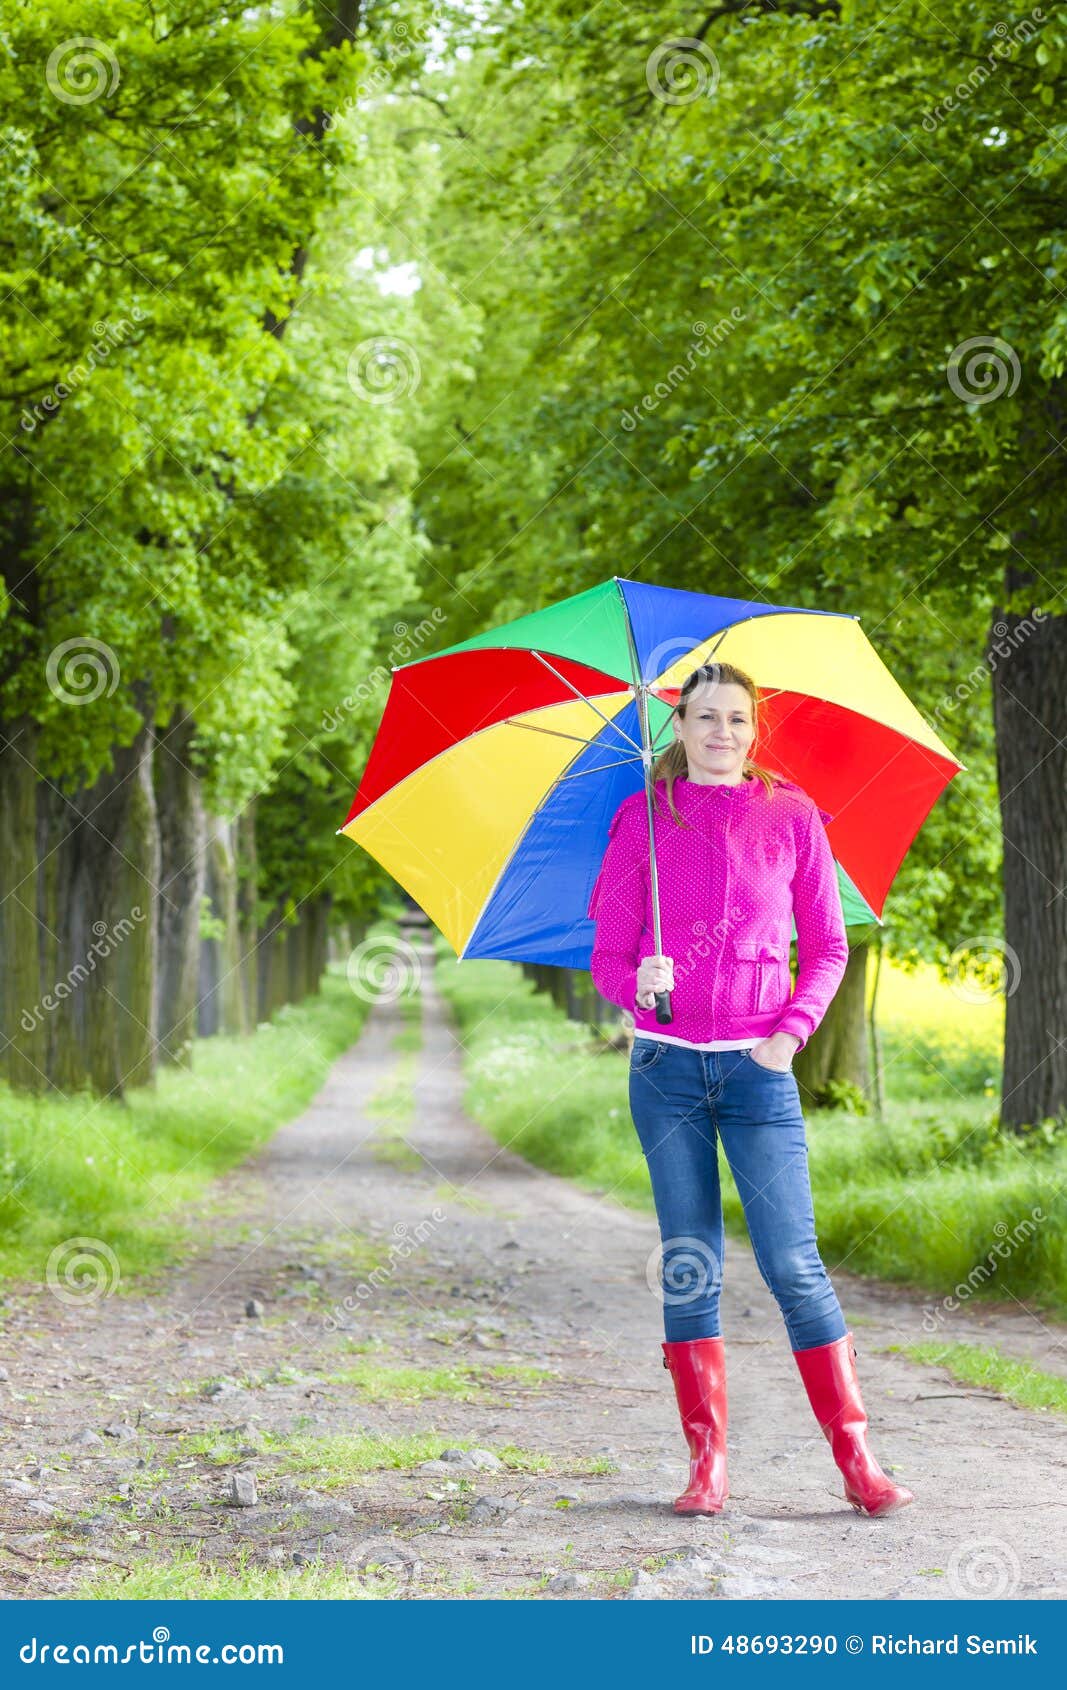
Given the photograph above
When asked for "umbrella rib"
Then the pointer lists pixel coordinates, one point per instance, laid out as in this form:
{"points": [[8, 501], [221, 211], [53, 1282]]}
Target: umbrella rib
{"points": [[510, 722], [581, 695], [662, 729], [601, 768]]}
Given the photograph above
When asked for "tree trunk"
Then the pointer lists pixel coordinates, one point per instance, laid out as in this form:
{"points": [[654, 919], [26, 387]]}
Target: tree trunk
{"points": [[248, 916], [874, 1033], [221, 994], [837, 1050], [1027, 654], [320, 940], [548, 979], [181, 831], [584, 1003], [57, 877], [23, 1020], [135, 879], [97, 896], [296, 957], [272, 962]]}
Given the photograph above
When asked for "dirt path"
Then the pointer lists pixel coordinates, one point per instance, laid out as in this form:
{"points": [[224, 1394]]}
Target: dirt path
{"points": [[503, 1264]]}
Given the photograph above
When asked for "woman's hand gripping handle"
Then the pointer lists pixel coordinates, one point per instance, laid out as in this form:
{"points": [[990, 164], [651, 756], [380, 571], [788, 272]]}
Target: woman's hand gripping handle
{"points": [[655, 983]]}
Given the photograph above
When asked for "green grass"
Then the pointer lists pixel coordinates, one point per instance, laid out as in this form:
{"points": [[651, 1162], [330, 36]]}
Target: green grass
{"points": [[934, 1037], [412, 1384], [188, 1574], [115, 1173], [933, 1196], [333, 1461], [378, 1383], [409, 1038], [470, 1200], [394, 1101], [974, 1365], [393, 1104]]}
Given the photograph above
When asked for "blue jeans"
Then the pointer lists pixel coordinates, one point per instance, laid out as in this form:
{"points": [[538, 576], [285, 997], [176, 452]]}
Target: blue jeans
{"points": [[682, 1101]]}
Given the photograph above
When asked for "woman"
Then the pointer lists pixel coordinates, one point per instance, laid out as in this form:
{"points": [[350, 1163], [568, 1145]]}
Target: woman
{"points": [[740, 854]]}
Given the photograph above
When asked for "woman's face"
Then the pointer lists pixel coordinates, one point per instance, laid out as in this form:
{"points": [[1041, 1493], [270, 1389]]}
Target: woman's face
{"points": [[716, 730]]}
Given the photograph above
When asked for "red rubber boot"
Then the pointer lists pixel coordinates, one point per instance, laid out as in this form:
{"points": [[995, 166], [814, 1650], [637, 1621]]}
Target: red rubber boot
{"points": [[829, 1375], [698, 1368]]}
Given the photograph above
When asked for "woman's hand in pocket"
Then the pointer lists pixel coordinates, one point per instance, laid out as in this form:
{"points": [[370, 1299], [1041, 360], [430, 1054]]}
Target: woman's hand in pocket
{"points": [[775, 1052]]}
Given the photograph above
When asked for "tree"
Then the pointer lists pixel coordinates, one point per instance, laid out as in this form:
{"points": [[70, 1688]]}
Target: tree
{"points": [[165, 486], [790, 327]]}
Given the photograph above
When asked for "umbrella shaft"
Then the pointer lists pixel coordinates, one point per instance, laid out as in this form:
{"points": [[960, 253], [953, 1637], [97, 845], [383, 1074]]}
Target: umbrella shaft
{"points": [[646, 757]]}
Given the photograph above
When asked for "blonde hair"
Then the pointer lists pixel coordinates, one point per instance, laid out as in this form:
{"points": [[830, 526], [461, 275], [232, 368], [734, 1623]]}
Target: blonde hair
{"points": [[673, 763]]}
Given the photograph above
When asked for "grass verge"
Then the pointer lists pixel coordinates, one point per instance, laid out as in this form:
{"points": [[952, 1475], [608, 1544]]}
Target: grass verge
{"points": [[971, 1364], [188, 1573], [111, 1174]]}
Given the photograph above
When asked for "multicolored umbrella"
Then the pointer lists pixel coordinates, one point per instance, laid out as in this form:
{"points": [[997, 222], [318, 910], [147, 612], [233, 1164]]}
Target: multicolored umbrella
{"points": [[500, 761]]}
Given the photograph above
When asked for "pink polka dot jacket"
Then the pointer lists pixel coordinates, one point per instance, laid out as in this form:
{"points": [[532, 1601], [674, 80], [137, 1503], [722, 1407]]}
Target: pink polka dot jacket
{"points": [[731, 882]]}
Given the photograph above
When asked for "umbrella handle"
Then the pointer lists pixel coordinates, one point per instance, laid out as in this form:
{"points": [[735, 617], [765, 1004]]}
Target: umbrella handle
{"points": [[663, 1007]]}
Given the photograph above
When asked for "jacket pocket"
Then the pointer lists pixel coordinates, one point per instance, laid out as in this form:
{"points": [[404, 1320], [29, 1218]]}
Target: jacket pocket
{"points": [[760, 983]]}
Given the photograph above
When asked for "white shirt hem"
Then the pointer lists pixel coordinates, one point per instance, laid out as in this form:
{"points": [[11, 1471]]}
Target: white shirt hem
{"points": [[691, 1044]]}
